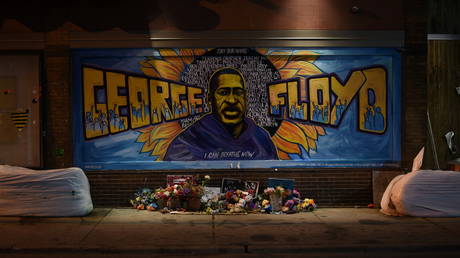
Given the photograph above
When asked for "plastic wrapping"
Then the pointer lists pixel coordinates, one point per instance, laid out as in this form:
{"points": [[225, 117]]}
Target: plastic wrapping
{"points": [[58, 192], [423, 193]]}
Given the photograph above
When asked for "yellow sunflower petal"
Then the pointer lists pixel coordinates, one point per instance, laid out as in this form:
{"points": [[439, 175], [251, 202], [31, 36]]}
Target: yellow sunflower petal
{"points": [[148, 68], [262, 51], [166, 70], [144, 136], [167, 52], [279, 59], [311, 143], [309, 130], [320, 130], [157, 138], [292, 133], [304, 55], [146, 129], [309, 59], [149, 146], [200, 51], [288, 73], [170, 56], [187, 55], [304, 68], [166, 130], [284, 145], [161, 148], [283, 155]]}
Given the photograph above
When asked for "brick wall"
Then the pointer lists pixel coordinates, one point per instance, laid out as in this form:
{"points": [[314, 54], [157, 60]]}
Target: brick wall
{"points": [[414, 80], [57, 107], [329, 187]]}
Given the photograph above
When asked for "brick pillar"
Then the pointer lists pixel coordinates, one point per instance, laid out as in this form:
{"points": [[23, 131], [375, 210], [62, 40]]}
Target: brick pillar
{"points": [[414, 80], [58, 125]]}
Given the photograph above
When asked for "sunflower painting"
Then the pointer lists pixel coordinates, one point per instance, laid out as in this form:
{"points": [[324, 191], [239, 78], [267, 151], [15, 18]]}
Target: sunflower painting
{"points": [[291, 138], [236, 107]]}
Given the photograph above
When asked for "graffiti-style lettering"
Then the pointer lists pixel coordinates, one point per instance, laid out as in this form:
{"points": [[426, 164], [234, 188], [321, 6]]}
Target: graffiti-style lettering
{"points": [[277, 98], [370, 84], [159, 93], [95, 103], [195, 100], [372, 101], [115, 101], [298, 109], [179, 101], [138, 101], [345, 92], [318, 89]]}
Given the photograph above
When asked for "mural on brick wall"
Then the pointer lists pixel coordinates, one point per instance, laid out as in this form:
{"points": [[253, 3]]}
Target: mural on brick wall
{"points": [[236, 108]]}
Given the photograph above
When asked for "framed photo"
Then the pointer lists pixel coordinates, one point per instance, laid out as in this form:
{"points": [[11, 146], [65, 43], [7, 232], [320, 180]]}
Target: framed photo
{"points": [[229, 184], [286, 183], [252, 187], [210, 193]]}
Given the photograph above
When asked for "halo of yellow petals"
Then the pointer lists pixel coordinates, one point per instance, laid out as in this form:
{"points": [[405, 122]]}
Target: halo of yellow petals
{"points": [[290, 134], [156, 138]]}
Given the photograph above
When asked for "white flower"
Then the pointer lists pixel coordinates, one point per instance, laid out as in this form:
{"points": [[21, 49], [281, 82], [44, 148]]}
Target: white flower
{"points": [[207, 177]]}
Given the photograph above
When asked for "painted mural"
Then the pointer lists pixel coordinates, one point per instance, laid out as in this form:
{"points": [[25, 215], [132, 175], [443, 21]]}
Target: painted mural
{"points": [[236, 108]]}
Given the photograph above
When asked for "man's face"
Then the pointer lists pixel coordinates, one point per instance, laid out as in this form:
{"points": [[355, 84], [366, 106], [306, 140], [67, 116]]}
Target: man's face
{"points": [[229, 99]]}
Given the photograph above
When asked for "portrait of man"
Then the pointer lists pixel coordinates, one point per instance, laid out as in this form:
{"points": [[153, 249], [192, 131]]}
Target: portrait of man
{"points": [[226, 133]]}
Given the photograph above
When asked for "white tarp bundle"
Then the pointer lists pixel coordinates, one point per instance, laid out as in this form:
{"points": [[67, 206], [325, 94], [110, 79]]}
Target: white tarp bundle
{"points": [[58, 192], [423, 193]]}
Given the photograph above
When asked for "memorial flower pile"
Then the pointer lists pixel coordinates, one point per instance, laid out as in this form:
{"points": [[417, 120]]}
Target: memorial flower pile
{"points": [[173, 197], [189, 196], [233, 201]]}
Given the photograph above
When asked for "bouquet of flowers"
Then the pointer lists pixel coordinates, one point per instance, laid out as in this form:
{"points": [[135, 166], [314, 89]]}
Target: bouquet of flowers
{"points": [[276, 197], [143, 199], [169, 197], [191, 190], [237, 201], [285, 200], [182, 196]]}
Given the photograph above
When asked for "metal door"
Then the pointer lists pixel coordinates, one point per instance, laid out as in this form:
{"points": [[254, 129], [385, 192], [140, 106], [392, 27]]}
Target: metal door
{"points": [[19, 111]]}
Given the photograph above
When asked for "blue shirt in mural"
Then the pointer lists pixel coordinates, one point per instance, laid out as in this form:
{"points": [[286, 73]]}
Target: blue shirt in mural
{"points": [[208, 139]]}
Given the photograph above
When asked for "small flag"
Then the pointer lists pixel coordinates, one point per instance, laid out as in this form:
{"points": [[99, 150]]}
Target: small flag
{"points": [[20, 119]]}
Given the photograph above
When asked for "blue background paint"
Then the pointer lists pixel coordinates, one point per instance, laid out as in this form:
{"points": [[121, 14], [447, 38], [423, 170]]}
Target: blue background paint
{"points": [[343, 146]]}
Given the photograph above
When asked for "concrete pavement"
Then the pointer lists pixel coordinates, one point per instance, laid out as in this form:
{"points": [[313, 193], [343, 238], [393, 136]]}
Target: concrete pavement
{"points": [[328, 232]]}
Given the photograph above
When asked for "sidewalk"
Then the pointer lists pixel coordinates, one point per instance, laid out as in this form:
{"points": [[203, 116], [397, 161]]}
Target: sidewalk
{"points": [[336, 232]]}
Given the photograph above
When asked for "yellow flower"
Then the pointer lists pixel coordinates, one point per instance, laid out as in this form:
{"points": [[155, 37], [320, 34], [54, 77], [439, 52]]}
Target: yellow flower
{"points": [[169, 65], [291, 135], [157, 138], [265, 202]]}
